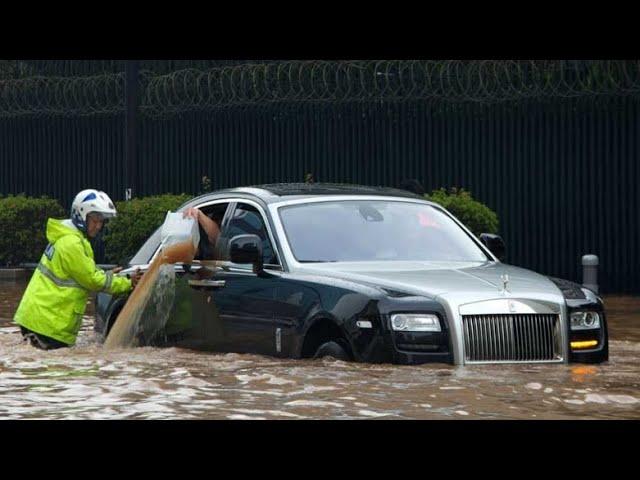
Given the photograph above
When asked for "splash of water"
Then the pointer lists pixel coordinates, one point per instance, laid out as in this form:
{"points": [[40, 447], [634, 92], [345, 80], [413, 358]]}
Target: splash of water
{"points": [[149, 307]]}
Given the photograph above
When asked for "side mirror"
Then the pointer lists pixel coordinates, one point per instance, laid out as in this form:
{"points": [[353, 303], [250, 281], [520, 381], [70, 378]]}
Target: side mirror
{"points": [[495, 244], [247, 249]]}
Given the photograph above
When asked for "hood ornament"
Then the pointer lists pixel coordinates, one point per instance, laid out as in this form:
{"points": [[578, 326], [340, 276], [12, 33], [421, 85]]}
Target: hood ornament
{"points": [[505, 283]]}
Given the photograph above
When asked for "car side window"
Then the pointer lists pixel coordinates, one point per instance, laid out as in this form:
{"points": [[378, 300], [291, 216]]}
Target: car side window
{"points": [[247, 219], [216, 212], [149, 249]]}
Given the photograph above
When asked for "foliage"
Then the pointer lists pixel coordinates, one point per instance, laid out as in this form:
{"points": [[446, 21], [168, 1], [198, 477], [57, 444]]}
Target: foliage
{"points": [[476, 216], [23, 223], [205, 184], [136, 220]]}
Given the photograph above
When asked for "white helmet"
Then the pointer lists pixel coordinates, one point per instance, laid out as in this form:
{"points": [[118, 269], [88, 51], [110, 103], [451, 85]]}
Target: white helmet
{"points": [[89, 201]]}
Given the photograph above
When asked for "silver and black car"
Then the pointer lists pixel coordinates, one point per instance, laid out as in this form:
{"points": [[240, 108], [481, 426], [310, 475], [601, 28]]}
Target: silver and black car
{"points": [[365, 274]]}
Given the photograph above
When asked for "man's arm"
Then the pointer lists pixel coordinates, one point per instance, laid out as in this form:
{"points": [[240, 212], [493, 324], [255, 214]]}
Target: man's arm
{"points": [[80, 267], [208, 225]]}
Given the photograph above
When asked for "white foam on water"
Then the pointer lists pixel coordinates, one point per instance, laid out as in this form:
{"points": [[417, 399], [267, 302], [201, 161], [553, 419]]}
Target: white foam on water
{"points": [[313, 403], [277, 413], [244, 417], [83, 391], [31, 365], [11, 382], [45, 399], [148, 407], [114, 367], [312, 389], [212, 401], [56, 373], [347, 398], [43, 389], [271, 379], [369, 413], [162, 416], [279, 381], [461, 412], [425, 405], [595, 398], [244, 379], [103, 414], [105, 399], [195, 382], [623, 399], [533, 386], [275, 393], [574, 401], [548, 390], [140, 386], [452, 388], [185, 391], [360, 404]]}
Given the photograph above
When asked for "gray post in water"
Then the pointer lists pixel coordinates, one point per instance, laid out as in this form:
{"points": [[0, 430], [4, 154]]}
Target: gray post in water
{"points": [[590, 272]]}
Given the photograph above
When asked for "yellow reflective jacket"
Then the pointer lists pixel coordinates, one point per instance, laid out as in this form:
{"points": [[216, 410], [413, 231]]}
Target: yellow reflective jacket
{"points": [[56, 297]]}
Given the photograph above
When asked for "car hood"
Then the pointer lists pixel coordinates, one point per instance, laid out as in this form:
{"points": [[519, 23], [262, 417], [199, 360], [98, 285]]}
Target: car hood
{"points": [[433, 279]]}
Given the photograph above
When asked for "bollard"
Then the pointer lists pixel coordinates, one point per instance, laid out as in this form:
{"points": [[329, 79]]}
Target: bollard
{"points": [[590, 272]]}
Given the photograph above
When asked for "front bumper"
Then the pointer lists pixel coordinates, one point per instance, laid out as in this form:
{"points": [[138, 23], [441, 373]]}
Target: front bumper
{"points": [[414, 348]]}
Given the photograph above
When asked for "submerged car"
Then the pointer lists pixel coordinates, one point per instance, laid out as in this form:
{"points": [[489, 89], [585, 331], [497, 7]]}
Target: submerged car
{"points": [[365, 274]]}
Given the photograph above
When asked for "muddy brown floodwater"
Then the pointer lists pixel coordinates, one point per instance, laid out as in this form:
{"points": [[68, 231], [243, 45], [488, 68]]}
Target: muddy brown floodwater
{"points": [[89, 382]]}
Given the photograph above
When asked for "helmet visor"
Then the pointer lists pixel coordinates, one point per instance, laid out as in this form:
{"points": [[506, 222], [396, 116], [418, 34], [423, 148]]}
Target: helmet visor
{"points": [[97, 217]]}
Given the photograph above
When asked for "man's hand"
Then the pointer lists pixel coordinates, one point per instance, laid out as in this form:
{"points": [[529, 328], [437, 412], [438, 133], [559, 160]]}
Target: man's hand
{"points": [[210, 227], [135, 278], [192, 213]]}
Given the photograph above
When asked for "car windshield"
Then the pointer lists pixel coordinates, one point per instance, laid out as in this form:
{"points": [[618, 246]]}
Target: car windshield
{"points": [[375, 230]]}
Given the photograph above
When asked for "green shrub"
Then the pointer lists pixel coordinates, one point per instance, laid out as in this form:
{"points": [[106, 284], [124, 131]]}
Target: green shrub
{"points": [[476, 216], [23, 222], [136, 220]]}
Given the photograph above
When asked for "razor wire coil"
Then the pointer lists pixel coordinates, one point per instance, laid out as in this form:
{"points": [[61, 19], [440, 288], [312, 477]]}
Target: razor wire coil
{"points": [[267, 83]]}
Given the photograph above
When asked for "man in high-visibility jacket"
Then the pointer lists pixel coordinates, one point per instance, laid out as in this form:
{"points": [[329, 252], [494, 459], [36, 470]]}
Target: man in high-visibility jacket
{"points": [[50, 312]]}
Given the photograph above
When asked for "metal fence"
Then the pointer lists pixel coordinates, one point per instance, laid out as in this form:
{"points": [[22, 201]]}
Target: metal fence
{"points": [[561, 172]]}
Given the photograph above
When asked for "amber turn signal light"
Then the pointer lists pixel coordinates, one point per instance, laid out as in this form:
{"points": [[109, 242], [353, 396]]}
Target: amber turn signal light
{"points": [[584, 344]]}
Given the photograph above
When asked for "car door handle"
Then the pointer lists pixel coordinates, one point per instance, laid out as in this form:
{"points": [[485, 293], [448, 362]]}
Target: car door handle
{"points": [[207, 283]]}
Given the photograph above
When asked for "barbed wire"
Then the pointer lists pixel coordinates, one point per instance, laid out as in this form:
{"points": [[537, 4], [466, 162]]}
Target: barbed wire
{"points": [[326, 82], [15, 69], [102, 94]]}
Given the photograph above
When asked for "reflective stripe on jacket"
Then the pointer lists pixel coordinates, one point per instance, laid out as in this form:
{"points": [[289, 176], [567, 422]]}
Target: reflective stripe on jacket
{"points": [[56, 297]]}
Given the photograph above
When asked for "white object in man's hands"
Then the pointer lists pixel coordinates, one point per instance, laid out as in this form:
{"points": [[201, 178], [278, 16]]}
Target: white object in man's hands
{"points": [[177, 229]]}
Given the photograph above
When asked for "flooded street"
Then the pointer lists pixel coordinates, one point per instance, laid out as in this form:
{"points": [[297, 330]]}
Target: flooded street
{"points": [[88, 382]]}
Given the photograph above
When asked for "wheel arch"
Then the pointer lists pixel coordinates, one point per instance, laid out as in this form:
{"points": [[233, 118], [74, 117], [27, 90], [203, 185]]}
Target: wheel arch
{"points": [[321, 329]]}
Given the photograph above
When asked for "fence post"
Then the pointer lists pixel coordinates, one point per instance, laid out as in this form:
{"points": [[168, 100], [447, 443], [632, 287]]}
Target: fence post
{"points": [[131, 128]]}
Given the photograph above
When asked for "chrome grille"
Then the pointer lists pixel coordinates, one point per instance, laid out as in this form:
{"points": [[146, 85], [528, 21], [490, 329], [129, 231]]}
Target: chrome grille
{"points": [[511, 338]]}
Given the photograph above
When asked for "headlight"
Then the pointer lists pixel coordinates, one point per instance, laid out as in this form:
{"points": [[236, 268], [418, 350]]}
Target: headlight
{"points": [[585, 320], [404, 322]]}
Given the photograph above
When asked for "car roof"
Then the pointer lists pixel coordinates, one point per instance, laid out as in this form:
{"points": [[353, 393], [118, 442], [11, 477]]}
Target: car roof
{"points": [[274, 192]]}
